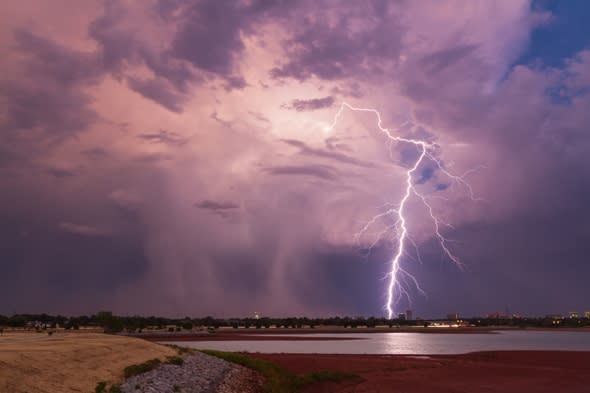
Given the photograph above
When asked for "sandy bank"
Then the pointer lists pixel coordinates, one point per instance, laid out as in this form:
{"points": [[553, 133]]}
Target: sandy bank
{"points": [[36, 362]]}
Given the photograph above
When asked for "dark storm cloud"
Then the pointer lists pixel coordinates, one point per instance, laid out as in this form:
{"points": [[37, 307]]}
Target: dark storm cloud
{"points": [[224, 123], [320, 171], [528, 258], [50, 98], [83, 230], [338, 268], [309, 151], [95, 153], [226, 210], [425, 174], [336, 51], [202, 21], [57, 63], [55, 109], [158, 90], [149, 158], [207, 42], [532, 264], [226, 22], [244, 273], [436, 62], [44, 261], [122, 47], [333, 143], [310, 105], [120, 230], [60, 172], [164, 137], [259, 116], [216, 206], [10, 158]]}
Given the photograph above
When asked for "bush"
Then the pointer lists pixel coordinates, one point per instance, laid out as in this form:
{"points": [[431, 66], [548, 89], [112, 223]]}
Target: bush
{"points": [[101, 387], [278, 379], [176, 360], [141, 368], [115, 389], [180, 350]]}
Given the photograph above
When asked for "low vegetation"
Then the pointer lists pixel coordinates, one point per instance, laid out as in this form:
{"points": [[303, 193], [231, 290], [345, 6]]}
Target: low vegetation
{"points": [[176, 360], [180, 350], [141, 368], [136, 369], [101, 387], [279, 380], [116, 389]]}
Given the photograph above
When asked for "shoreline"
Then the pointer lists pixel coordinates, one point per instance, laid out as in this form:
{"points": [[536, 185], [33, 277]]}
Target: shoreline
{"points": [[56, 361], [274, 334]]}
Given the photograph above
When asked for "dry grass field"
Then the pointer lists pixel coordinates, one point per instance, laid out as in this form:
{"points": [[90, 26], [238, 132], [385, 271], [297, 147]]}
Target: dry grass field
{"points": [[69, 362]]}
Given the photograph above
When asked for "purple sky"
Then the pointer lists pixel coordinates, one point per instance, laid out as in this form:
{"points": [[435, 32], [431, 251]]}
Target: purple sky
{"points": [[174, 157]]}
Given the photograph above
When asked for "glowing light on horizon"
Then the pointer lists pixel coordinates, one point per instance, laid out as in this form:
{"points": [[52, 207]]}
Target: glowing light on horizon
{"points": [[426, 151]]}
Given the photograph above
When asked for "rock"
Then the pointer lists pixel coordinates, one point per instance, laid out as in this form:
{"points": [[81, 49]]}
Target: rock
{"points": [[200, 373]]}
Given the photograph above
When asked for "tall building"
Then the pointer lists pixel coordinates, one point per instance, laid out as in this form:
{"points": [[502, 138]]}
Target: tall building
{"points": [[401, 316], [409, 315], [453, 316], [587, 314]]}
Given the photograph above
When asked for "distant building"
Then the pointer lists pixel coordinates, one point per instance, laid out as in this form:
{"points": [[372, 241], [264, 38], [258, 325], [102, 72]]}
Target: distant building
{"points": [[587, 314], [574, 315], [401, 316], [497, 315], [256, 315], [453, 316], [553, 316], [409, 315]]}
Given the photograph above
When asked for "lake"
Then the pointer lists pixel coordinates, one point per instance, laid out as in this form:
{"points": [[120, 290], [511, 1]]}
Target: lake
{"points": [[410, 343]]}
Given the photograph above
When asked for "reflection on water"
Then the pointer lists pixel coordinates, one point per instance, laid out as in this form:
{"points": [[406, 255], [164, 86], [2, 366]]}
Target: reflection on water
{"points": [[412, 343]]}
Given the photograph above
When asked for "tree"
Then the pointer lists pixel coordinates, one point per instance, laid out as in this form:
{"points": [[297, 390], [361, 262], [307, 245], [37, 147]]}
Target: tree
{"points": [[110, 323]]}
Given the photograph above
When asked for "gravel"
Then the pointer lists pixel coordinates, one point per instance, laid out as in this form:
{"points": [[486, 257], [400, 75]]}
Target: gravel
{"points": [[200, 373]]}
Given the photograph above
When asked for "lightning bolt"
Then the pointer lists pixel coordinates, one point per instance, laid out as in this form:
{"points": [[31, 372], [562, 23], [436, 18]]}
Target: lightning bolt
{"points": [[426, 152]]}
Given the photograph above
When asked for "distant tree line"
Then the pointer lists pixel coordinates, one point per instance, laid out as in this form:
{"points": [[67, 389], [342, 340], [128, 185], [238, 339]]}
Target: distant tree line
{"points": [[133, 324], [524, 322]]}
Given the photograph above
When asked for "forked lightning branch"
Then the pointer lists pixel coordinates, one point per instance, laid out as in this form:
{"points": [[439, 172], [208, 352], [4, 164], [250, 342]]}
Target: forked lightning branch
{"points": [[426, 151]]}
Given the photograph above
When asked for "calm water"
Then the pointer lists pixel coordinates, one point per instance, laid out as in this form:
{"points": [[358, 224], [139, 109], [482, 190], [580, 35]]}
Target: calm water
{"points": [[411, 343]]}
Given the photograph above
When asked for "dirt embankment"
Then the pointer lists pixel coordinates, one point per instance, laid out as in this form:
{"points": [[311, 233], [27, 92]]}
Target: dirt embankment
{"points": [[489, 372], [36, 363]]}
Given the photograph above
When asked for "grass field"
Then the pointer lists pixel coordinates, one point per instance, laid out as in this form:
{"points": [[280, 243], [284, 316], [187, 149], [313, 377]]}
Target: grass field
{"points": [[69, 362]]}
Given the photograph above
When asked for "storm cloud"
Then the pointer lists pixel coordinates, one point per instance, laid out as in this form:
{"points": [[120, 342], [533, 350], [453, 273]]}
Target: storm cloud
{"points": [[311, 104], [177, 157]]}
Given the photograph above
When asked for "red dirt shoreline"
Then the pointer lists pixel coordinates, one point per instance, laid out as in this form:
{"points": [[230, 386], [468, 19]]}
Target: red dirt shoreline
{"points": [[490, 372]]}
